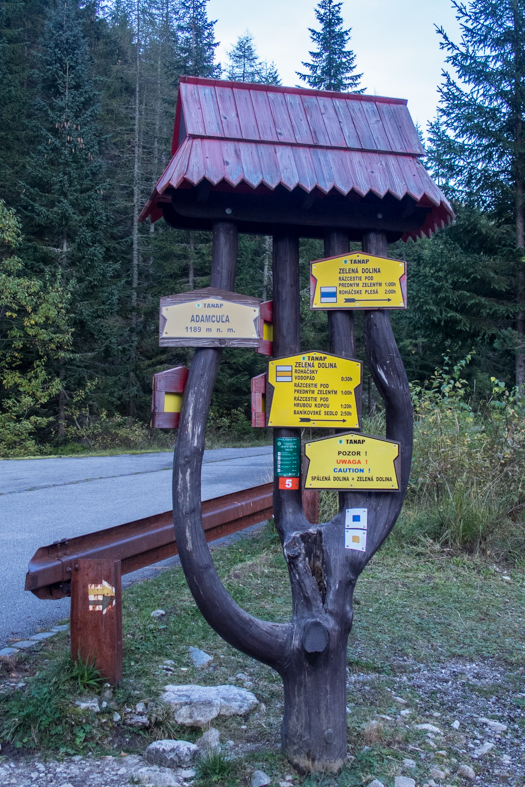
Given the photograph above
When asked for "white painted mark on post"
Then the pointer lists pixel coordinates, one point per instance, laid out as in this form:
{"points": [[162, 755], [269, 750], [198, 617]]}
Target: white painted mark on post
{"points": [[356, 525]]}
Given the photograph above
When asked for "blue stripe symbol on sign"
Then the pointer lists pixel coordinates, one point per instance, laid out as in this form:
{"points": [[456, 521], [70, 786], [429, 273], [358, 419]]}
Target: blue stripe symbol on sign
{"points": [[328, 294]]}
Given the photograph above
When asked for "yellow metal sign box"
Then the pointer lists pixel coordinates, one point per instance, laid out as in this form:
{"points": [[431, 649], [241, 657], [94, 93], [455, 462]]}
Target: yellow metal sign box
{"points": [[352, 462], [358, 281], [313, 389]]}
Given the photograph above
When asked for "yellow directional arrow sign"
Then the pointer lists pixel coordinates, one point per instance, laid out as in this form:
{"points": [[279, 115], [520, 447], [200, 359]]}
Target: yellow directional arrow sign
{"points": [[352, 462], [358, 281], [313, 389]]}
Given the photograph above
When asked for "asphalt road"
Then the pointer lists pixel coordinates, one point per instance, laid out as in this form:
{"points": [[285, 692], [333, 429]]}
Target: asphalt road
{"points": [[43, 500]]}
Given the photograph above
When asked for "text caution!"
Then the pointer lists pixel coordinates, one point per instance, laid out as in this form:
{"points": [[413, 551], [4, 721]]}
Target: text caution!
{"points": [[352, 462]]}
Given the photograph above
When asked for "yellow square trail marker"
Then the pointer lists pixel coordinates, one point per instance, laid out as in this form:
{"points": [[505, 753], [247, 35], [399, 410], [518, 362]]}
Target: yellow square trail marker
{"points": [[313, 389], [358, 281], [352, 462]]}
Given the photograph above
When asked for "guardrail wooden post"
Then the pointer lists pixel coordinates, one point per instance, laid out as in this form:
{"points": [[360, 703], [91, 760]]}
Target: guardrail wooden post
{"points": [[96, 616]]}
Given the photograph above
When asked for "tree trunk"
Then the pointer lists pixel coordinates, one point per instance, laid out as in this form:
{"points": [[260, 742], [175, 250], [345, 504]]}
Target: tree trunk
{"points": [[314, 734], [191, 272]]}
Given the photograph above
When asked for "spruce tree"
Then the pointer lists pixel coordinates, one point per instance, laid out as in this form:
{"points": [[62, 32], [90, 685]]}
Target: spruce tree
{"points": [[332, 66], [244, 64], [196, 40], [477, 143], [65, 186]]}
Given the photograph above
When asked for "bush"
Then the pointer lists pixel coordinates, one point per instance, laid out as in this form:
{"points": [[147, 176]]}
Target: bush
{"points": [[466, 487]]}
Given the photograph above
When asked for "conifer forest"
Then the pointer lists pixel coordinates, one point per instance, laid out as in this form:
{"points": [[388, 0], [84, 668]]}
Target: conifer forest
{"points": [[87, 102]]}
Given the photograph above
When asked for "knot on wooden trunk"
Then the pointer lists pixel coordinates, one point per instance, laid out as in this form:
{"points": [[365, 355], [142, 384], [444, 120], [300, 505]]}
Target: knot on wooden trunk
{"points": [[315, 636]]}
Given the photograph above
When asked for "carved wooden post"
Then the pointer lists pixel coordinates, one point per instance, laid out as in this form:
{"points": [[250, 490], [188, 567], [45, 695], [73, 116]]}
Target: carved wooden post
{"points": [[310, 652]]}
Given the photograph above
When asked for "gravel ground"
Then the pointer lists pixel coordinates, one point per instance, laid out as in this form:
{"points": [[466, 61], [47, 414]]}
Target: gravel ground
{"points": [[436, 720]]}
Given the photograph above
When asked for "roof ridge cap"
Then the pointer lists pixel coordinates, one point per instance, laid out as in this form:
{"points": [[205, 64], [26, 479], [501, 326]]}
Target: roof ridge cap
{"points": [[191, 80]]}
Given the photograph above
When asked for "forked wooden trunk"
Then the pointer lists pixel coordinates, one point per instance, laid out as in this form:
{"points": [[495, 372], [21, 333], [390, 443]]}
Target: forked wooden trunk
{"points": [[310, 652]]}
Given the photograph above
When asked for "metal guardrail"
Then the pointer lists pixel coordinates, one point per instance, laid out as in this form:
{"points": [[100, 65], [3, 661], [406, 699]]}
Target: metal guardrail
{"points": [[142, 542]]}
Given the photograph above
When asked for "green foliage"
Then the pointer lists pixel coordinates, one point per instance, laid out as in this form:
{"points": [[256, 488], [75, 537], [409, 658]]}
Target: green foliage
{"points": [[196, 40], [86, 674], [332, 66], [244, 64], [41, 714], [214, 766], [33, 332], [477, 145], [459, 297], [466, 488]]}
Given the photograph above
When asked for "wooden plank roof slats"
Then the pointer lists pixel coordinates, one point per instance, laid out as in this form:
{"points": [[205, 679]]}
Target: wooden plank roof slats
{"points": [[246, 112], [281, 118], [261, 106], [228, 112], [235, 133]]}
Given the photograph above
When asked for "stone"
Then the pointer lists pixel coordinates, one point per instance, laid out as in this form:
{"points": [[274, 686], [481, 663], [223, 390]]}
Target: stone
{"points": [[199, 657], [5, 653], [156, 777], [91, 705], [157, 613], [404, 781], [467, 772], [172, 754], [260, 779], [428, 728], [116, 717], [43, 635], [483, 749], [25, 643], [137, 720], [409, 763], [140, 707], [400, 700], [209, 741], [61, 628], [455, 725], [436, 773], [494, 725], [195, 706], [405, 712], [376, 783]]}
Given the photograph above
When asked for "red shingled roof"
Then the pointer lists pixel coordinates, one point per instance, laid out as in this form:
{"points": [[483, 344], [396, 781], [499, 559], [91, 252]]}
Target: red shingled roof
{"points": [[265, 135]]}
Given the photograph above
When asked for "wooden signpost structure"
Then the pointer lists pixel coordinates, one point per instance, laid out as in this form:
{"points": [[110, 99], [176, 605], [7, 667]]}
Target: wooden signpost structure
{"points": [[292, 162]]}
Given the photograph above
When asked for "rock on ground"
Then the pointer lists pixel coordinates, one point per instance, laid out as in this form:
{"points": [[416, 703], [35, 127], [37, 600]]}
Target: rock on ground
{"points": [[195, 706], [260, 779], [209, 741], [467, 772], [199, 657], [172, 754], [404, 781], [376, 783], [156, 777]]}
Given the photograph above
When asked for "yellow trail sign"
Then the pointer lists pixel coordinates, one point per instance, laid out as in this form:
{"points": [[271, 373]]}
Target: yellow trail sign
{"points": [[358, 281], [352, 462], [313, 389]]}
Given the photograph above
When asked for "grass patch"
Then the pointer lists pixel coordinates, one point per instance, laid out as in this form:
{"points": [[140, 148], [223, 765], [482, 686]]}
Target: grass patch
{"points": [[420, 608]]}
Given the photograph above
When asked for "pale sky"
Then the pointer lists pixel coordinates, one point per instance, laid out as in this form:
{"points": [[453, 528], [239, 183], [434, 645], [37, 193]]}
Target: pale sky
{"points": [[395, 42]]}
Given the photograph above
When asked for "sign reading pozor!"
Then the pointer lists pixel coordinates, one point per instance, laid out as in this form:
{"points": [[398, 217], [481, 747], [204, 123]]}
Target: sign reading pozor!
{"points": [[313, 389], [352, 462], [210, 318], [358, 281]]}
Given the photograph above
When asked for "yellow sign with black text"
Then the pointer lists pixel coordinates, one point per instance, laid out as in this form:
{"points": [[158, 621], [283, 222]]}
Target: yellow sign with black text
{"points": [[313, 389], [352, 462], [210, 318], [358, 281]]}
